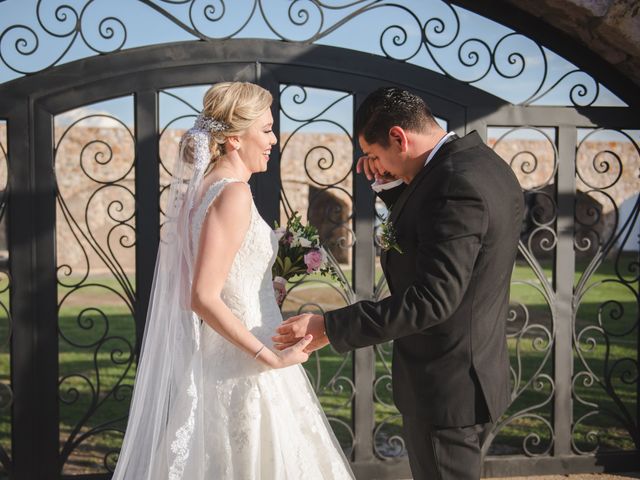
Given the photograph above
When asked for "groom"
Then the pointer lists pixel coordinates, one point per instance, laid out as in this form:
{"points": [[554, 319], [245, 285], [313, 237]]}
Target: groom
{"points": [[456, 212]]}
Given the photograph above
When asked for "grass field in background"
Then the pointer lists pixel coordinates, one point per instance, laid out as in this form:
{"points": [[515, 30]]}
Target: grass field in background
{"points": [[80, 363]]}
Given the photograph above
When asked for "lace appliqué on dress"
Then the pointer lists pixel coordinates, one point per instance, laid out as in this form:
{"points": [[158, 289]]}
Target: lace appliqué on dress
{"points": [[258, 423], [180, 446]]}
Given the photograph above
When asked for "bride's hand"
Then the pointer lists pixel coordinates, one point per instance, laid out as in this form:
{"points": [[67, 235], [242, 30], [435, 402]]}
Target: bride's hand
{"points": [[293, 355]]}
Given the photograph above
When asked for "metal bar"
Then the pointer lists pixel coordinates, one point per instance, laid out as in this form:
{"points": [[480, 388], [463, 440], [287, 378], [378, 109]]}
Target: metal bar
{"points": [[363, 286], [267, 184], [564, 268], [193, 63], [514, 465], [545, 116], [476, 120], [378, 470], [45, 403], [495, 466], [21, 244], [32, 258], [578, 53], [518, 465], [147, 185], [34, 344]]}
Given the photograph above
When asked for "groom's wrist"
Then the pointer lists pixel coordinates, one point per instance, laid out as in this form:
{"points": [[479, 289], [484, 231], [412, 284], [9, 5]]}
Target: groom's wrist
{"points": [[336, 324]]}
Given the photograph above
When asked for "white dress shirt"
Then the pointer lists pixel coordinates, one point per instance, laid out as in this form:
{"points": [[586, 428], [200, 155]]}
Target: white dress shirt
{"points": [[380, 186]]}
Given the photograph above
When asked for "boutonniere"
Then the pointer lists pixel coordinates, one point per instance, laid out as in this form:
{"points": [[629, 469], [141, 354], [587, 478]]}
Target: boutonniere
{"points": [[387, 236]]}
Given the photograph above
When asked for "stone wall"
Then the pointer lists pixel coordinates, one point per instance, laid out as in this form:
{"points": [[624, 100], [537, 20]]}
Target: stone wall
{"points": [[95, 213], [98, 192], [315, 171], [597, 166]]}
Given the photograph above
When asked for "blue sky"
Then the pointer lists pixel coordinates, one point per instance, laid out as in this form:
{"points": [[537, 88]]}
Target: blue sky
{"points": [[145, 26]]}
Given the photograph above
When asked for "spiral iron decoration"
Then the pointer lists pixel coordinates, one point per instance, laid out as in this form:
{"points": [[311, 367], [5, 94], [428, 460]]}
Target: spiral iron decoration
{"points": [[605, 328], [168, 139], [335, 388], [530, 326], [329, 181], [330, 204], [388, 442], [93, 273], [434, 38]]}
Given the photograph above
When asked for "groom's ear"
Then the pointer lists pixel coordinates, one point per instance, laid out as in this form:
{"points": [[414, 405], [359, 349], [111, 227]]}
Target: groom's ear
{"points": [[398, 139]]}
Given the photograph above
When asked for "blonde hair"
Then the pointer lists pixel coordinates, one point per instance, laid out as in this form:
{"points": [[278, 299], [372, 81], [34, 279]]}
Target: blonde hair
{"points": [[238, 104]]}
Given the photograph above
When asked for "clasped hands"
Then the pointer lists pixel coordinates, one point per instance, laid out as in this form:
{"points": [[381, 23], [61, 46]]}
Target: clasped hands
{"points": [[292, 330]]}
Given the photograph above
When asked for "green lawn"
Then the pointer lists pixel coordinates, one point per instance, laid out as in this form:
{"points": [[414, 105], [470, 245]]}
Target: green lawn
{"points": [[103, 410]]}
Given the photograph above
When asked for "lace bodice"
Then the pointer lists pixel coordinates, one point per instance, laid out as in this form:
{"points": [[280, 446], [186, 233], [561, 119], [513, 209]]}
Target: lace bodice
{"points": [[248, 290]]}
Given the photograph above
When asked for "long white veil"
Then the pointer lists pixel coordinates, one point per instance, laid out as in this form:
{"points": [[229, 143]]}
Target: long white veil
{"points": [[165, 418]]}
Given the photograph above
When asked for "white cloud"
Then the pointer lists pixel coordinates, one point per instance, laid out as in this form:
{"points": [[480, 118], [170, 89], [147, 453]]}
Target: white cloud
{"points": [[92, 118]]}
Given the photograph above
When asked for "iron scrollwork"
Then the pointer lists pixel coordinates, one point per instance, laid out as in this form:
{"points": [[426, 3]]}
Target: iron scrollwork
{"points": [[91, 272], [532, 154], [169, 137], [431, 37], [321, 162], [606, 298], [388, 442]]}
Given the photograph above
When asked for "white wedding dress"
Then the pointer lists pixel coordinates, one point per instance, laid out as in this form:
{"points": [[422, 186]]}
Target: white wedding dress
{"points": [[259, 423]]}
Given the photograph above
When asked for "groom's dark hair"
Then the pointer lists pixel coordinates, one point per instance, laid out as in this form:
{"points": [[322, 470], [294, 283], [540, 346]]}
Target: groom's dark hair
{"points": [[387, 107]]}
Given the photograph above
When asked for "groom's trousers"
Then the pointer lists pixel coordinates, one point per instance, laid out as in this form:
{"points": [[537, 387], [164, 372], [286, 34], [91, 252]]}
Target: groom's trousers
{"points": [[444, 453]]}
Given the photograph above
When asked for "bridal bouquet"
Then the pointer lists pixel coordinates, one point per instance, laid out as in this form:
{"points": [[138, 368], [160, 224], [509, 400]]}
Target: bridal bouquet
{"points": [[299, 252]]}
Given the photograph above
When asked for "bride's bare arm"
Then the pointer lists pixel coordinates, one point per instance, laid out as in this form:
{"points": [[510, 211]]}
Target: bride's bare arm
{"points": [[222, 234]]}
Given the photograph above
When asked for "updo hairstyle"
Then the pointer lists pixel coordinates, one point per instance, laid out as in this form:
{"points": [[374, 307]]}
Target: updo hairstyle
{"points": [[238, 104]]}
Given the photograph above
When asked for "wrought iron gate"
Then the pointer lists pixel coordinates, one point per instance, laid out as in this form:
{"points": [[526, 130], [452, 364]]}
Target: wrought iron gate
{"points": [[81, 267]]}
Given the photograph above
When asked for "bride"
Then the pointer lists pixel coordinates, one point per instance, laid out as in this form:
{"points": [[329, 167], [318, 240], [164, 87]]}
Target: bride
{"points": [[211, 399]]}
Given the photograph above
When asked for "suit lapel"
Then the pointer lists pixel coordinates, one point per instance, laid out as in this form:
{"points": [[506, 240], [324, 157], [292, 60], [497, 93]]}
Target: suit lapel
{"points": [[398, 206], [455, 144]]}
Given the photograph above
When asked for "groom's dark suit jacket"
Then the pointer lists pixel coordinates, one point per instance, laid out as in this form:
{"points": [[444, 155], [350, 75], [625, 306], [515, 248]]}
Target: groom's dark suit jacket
{"points": [[458, 224]]}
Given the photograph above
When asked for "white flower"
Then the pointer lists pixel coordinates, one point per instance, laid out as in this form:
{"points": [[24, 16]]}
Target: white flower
{"points": [[304, 242], [300, 241], [280, 231], [295, 240]]}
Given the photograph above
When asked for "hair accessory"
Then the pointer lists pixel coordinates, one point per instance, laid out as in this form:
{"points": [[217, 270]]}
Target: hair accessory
{"points": [[210, 124]]}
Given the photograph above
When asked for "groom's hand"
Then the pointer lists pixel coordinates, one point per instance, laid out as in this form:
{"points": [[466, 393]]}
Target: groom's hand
{"points": [[373, 170], [292, 330], [371, 167]]}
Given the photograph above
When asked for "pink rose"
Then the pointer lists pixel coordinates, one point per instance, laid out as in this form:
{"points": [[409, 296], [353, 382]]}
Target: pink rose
{"points": [[313, 260]]}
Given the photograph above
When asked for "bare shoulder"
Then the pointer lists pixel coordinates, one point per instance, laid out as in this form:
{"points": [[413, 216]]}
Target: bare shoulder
{"points": [[233, 203], [235, 193]]}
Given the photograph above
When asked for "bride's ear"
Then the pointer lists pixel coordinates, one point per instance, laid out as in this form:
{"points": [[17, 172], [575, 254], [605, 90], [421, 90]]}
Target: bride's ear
{"points": [[233, 143]]}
